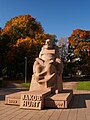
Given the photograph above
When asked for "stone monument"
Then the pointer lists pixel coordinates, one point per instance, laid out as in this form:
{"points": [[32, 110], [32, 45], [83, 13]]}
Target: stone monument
{"points": [[46, 89], [47, 69]]}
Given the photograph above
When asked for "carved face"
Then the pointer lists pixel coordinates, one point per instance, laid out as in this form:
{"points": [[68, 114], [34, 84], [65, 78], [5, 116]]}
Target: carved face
{"points": [[48, 43]]}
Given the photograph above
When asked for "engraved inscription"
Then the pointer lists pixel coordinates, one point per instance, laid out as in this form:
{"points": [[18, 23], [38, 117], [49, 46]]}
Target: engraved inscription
{"points": [[59, 104], [31, 101], [12, 101], [32, 97]]}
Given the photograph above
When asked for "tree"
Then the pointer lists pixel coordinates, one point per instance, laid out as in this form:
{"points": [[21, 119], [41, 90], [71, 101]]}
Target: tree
{"points": [[79, 50], [63, 47], [4, 47], [21, 37], [21, 27]]}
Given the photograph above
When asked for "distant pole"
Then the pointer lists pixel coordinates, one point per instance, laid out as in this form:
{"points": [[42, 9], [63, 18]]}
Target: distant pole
{"points": [[25, 69]]}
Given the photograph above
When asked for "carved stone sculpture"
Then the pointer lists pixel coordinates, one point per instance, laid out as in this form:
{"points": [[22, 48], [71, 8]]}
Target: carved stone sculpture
{"points": [[47, 69], [46, 89]]}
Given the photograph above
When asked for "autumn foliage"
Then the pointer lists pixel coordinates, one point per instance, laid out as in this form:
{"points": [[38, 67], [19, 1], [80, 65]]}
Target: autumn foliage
{"points": [[22, 26], [79, 44], [21, 37], [80, 40]]}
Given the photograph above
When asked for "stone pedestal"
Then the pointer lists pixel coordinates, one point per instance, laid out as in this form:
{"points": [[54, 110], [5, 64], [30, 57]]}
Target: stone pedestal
{"points": [[60, 100], [39, 99], [14, 99], [33, 99]]}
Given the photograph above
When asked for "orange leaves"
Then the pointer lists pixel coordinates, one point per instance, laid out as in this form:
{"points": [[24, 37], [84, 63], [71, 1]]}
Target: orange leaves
{"points": [[39, 39], [84, 46], [79, 34], [80, 41], [22, 36], [25, 34], [21, 27], [76, 51], [75, 39], [19, 20], [81, 44], [22, 40], [5, 30]]}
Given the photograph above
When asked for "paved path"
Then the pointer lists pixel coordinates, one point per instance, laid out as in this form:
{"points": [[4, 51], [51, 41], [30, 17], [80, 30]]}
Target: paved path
{"points": [[79, 108]]}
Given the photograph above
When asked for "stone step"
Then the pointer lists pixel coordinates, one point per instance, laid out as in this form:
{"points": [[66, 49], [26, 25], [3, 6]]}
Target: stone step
{"points": [[40, 99]]}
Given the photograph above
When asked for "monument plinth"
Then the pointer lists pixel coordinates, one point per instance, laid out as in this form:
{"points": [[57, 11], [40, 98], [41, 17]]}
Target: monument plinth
{"points": [[33, 99], [59, 100], [14, 99], [46, 88]]}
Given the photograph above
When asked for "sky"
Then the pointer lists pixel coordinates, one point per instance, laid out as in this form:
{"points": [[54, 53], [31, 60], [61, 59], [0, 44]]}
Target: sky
{"points": [[59, 17]]}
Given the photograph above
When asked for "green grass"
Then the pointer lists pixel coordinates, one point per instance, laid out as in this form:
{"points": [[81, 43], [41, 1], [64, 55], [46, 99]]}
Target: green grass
{"points": [[25, 84], [84, 85]]}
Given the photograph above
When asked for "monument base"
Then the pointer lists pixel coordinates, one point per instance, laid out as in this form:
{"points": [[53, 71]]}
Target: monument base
{"points": [[28, 99], [14, 99], [40, 99], [59, 100], [34, 99]]}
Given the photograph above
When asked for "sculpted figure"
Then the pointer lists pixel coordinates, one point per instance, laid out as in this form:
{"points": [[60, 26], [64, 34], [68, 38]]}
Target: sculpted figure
{"points": [[47, 69]]}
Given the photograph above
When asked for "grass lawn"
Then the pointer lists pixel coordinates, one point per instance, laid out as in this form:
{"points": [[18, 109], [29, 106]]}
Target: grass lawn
{"points": [[25, 84], [83, 85]]}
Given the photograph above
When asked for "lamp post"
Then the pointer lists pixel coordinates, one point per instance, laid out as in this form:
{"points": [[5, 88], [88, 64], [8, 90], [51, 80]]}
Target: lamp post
{"points": [[25, 69]]}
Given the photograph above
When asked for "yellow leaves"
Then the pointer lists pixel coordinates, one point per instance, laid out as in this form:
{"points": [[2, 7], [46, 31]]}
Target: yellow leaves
{"points": [[78, 37], [25, 24], [80, 34], [38, 40], [84, 45], [81, 44], [23, 40], [20, 20], [5, 30], [25, 34], [76, 51]]}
